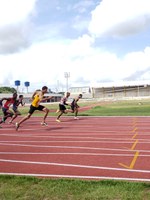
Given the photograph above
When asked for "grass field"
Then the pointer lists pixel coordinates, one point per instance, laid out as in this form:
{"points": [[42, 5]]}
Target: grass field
{"points": [[101, 108], [29, 188], [120, 109]]}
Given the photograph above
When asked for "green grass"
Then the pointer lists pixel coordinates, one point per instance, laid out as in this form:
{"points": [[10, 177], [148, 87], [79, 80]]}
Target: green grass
{"points": [[118, 111], [29, 188], [114, 108], [120, 108]]}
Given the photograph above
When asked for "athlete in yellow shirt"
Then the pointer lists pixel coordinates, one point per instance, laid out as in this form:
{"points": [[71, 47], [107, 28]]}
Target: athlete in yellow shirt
{"points": [[37, 97]]}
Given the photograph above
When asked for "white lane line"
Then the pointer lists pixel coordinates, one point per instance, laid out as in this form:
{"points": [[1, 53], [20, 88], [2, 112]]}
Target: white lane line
{"points": [[71, 132], [84, 137], [77, 129], [72, 176], [76, 137], [70, 141], [74, 165], [74, 147], [66, 153]]}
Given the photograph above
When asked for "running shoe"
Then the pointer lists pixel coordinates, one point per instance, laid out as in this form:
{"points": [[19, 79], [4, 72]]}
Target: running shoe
{"points": [[57, 120], [2, 120], [44, 124], [76, 118], [17, 126]]}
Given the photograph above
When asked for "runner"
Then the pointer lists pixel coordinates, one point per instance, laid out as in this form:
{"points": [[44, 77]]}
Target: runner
{"points": [[37, 98], [62, 106], [15, 108], [6, 107], [75, 106]]}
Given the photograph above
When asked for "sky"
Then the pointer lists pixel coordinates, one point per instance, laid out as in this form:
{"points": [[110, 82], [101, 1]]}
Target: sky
{"points": [[96, 42]]}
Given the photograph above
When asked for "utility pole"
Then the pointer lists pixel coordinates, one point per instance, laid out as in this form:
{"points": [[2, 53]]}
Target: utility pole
{"points": [[67, 76]]}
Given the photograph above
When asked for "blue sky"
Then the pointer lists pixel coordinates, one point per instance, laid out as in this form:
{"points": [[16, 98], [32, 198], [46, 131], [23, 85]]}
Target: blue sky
{"points": [[99, 42]]}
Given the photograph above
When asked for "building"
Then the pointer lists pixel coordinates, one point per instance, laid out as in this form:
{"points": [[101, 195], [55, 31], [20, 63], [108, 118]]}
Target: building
{"points": [[122, 91], [86, 91], [111, 90]]}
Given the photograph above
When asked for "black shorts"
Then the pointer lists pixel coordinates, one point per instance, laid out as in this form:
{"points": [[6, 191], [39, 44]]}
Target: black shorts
{"points": [[5, 110], [32, 109], [15, 109], [74, 106], [62, 107]]}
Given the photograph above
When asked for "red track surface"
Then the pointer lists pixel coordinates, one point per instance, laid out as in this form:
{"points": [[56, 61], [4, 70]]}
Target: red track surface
{"points": [[88, 148]]}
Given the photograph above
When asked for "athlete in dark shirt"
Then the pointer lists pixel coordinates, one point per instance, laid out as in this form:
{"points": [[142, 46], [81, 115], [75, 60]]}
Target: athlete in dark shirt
{"points": [[62, 106], [5, 107], [18, 102], [75, 106]]}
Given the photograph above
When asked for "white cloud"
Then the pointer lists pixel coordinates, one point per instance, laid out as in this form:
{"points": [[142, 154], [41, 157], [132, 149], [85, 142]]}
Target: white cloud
{"points": [[15, 11], [120, 17], [15, 25], [44, 61]]}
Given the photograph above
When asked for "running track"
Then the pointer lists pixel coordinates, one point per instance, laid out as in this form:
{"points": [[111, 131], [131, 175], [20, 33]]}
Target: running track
{"points": [[89, 148]]}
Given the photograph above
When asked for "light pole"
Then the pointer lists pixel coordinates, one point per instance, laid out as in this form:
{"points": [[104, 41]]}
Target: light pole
{"points": [[67, 76]]}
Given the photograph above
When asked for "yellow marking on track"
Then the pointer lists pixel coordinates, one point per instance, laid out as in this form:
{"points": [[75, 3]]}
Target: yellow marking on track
{"points": [[134, 135], [135, 129], [134, 123], [132, 162], [133, 146]]}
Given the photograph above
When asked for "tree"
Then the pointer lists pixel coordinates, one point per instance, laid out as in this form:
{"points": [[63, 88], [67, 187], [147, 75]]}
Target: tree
{"points": [[7, 90]]}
